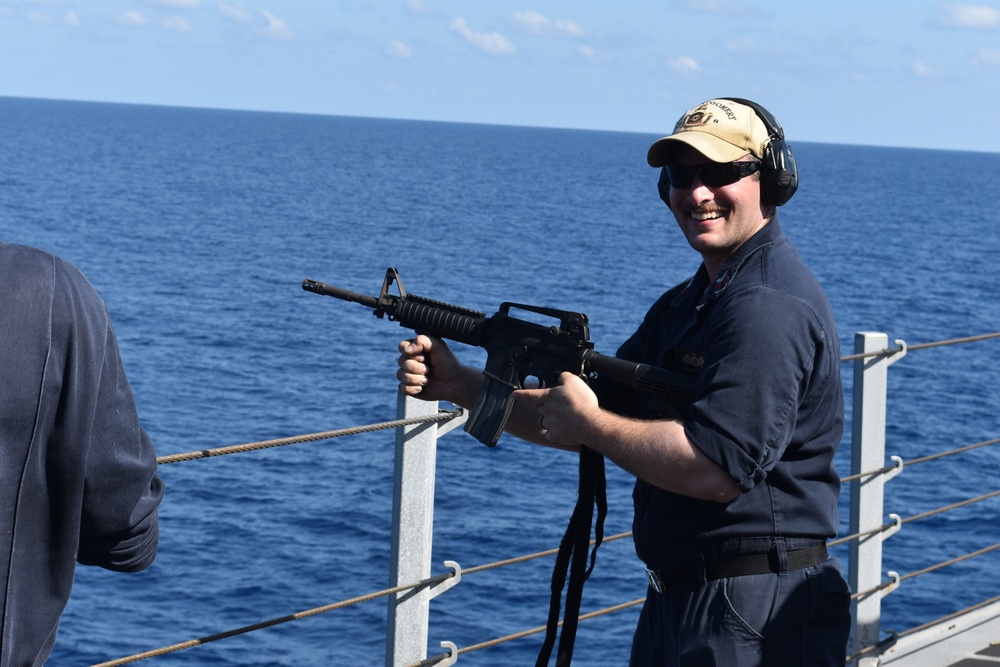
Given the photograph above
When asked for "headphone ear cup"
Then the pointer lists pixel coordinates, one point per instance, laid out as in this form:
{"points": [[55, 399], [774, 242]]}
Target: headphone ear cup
{"points": [[663, 185], [781, 176]]}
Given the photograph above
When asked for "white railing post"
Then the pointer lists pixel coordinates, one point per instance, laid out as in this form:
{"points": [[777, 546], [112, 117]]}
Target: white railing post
{"points": [[867, 493], [412, 531]]}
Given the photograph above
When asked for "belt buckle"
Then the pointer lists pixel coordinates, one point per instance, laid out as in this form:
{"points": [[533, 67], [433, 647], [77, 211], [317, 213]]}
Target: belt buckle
{"points": [[654, 580]]}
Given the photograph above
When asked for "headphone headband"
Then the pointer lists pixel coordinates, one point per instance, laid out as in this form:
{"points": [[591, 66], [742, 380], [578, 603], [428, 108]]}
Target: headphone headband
{"points": [[779, 171]]}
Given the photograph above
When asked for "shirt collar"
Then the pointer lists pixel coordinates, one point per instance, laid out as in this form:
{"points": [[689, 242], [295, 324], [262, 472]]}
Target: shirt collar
{"points": [[767, 235]]}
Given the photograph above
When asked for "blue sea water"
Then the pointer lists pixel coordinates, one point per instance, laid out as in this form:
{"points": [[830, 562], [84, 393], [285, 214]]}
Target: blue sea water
{"points": [[198, 226]]}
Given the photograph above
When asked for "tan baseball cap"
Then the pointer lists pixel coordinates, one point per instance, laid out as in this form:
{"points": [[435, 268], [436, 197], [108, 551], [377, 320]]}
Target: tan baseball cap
{"points": [[722, 130]]}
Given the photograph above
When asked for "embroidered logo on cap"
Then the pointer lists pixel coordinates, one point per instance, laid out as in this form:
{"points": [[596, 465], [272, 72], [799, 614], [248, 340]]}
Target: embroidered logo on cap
{"points": [[699, 117]]}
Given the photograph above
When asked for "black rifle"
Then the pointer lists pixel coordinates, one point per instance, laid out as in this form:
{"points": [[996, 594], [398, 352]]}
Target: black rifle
{"points": [[516, 350]]}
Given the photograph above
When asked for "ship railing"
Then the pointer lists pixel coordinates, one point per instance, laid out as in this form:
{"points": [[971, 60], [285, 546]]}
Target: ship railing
{"points": [[421, 423], [869, 474]]}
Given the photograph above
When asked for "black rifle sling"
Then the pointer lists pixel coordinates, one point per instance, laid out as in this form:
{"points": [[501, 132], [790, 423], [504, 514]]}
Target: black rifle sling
{"points": [[572, 558]]}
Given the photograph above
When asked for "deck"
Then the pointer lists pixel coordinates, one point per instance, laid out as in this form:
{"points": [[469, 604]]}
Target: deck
{"points": [[968, 640]]}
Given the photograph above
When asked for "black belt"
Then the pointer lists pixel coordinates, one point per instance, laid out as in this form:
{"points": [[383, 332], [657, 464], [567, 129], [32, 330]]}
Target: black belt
{"points": [[735, 566]]}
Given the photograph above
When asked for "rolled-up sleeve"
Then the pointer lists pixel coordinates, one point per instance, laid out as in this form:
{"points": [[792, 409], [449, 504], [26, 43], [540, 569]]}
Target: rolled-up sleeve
{"points": [[761, 354]]}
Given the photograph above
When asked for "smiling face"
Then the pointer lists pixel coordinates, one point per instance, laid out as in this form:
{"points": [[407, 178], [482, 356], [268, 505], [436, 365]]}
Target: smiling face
{"points": [[717, 220]]}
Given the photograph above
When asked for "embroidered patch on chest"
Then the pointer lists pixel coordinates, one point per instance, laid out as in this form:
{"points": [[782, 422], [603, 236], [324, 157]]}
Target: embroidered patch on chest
{"points": [[687, 361]]}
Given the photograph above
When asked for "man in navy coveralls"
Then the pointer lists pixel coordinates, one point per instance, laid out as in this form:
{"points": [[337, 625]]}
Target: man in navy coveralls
{"points": [[78, 479], [736, 493]]}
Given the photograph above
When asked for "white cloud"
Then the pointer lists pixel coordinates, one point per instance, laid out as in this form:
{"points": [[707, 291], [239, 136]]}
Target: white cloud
{"points": [[716, 6], [418, 8], [590, 54], [178, 23], [960, 15], [492, 43], [398, 49], [987, 58], [235, 11], [132, 17], [276, 28], [924, 71], [136, 18], [685, 65], [742, 45], [536, 24], [260, 21], [178, 4], [43, 16]]}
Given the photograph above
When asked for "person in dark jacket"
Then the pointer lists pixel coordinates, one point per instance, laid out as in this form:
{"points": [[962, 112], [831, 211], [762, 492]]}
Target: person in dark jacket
{"points": [[78, 474], [736, 492]]}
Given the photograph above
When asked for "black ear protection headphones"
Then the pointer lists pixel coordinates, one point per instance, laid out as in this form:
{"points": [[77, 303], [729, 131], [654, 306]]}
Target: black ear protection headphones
{"points": [[779, 175]]}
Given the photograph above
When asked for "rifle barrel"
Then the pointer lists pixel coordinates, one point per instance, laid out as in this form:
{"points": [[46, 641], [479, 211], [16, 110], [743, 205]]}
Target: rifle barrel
{"points": [[340, 293]]}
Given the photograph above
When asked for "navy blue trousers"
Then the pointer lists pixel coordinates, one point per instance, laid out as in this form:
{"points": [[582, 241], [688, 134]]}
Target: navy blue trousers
{"points": [[800, 617]]}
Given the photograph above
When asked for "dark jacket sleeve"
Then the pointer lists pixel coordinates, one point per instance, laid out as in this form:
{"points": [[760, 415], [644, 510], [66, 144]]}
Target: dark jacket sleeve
{"points": [[120, 486], [119, 529], [78, 478]]}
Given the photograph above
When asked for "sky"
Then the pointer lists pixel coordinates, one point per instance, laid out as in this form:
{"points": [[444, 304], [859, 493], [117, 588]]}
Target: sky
{"points": [[905, 73]]}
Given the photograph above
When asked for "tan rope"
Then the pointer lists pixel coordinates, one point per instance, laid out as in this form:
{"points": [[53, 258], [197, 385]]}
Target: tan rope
{"points": [[535, 631], [922, 346], [980, 605], [540, 554], [915, 517], [948, 508], [442, 415], [346, 603], [932, 568], [884, 645], [525, 633], [922, 459], [948, 563], [869, 473], [858, 536], [277, 621], [931, 457]]}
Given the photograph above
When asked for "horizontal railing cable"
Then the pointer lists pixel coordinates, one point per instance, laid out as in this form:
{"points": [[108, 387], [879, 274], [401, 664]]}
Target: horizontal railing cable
{"points": [[864, 533], [521, 635], [932, 568], [442, 415], [915, 517], [430, 581], [960, 450], [353, 601], [953, 506], [922, 459], [949, 617], [540, 554], [894, 637], [922, 346], [948, 563]]}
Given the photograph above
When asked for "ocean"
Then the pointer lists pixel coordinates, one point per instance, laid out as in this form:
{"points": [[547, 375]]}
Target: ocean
{"points": [[198, 226]]}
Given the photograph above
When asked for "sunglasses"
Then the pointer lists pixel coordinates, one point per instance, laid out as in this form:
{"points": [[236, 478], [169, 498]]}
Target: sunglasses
{"points": [[713, 175]]}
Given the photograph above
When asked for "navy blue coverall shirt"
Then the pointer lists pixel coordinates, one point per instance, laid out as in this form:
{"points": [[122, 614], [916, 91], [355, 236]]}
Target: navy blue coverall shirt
{"points": [[768, 408], [78, 480]]}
